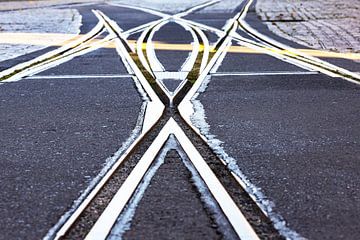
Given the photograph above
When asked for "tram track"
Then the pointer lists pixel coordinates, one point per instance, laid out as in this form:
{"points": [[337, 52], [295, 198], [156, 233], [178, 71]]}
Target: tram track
{"points": [[271, 47], [166, 115], [75, 48], [262, 224], [279, 48]]}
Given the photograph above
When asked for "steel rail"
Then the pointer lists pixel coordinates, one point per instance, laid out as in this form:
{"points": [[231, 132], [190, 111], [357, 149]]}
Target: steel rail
{"points": [[105, 222], [272, 47], [316, 63], [155, 103], [109, 216], [21, 70]]}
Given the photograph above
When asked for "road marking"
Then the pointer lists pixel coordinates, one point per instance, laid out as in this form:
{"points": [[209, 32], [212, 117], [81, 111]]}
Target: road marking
{"points": [[196, 8], [79, 76], [155, 108], [262, 73], [57, 60], [141, 46], [104, 224], [142, 9], [185, 107], [47, 56], [171, 75], [288, 52], [154, 62], [195, 45], [86, 201]]}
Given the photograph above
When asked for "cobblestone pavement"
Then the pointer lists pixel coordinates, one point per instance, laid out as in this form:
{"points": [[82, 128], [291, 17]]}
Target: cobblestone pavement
{"points": [[35, 21], [332, 25], [18, 5], [208, 126]]}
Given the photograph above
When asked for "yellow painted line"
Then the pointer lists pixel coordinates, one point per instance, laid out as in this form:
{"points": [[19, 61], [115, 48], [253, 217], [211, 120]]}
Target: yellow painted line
{"points": [[41, 39], [328, 54], [58, 39], [44, 39]]}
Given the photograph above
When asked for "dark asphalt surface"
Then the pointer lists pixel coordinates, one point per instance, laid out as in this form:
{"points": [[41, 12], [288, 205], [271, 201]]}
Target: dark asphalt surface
{"points": [[172, 33], [166, 34], [58, 134], [56, 137], [102, 61], [171, 84], [127, 19], [214, 20], [297, 138], [172, 61], [161, 209], [23, 58], [254, 62], [88, 21], [217, 15]]}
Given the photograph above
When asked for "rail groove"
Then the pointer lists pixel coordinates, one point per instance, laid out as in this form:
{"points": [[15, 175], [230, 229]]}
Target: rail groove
{"points": [[170, 114]]}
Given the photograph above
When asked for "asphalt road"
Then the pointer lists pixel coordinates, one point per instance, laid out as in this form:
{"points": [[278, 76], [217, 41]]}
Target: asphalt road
{"points": [[56, 137], [293, 133], [296, 138]]}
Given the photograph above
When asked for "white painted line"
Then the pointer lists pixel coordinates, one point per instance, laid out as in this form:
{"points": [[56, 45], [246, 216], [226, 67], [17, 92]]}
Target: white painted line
{"points": [[79, 76], [123, 223], [68, 219], [220, 59], [205, 50], [190, 61], [187, 104], [161, 14], [158, 13], [261, 73], [159, 69], [141, 46], [155, 64], [195, 8], [94, 32], [104, 224], [165, 89], [185, 107], [137, 29], [320, 65], [171, 75], [155, 107], [200, 25], [246, 42], [67, 5], [85, 202], [81, 50], [268, 50], [231, 211], [143, 9]]}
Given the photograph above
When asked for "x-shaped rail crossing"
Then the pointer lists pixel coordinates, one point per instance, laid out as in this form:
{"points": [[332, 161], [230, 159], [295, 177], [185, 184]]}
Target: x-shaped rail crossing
{"points": [[174, 109]]}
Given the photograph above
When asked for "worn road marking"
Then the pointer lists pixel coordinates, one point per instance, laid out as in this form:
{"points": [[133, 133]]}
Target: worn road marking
{"points": [[155, 107], [79, 76], [103, 226], [262, 73]]}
